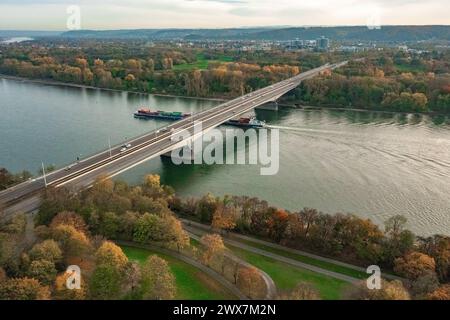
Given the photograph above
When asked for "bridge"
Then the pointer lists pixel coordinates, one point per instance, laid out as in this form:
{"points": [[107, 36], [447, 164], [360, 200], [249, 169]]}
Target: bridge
{"points": [[25, 197]]}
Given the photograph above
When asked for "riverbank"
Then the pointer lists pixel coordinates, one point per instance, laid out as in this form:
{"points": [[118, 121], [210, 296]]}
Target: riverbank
{"points": [[290, 104], [301, 106], [82, 86]]}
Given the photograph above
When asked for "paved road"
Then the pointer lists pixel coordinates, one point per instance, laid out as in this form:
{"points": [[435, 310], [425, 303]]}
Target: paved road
{"points": [[112, 162], [238, 237], [213, 274], [192, 228]]}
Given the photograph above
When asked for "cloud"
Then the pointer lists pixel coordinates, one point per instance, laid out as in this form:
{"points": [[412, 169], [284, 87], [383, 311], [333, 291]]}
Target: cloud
{"points": [[115, 14]]}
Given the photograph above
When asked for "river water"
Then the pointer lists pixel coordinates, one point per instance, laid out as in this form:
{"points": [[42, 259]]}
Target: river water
{"points": [[372, 164]]}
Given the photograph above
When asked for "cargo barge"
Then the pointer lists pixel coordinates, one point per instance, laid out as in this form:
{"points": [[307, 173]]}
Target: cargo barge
{"points": [[243, 122], [145, 113], [246, 123]]}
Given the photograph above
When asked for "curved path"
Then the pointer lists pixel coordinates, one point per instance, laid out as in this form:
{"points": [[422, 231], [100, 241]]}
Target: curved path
{"points": [[271, 292], [213, 274]]}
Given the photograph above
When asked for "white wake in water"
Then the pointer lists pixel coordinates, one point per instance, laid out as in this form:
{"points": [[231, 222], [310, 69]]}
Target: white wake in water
{"points": [[306, 130]]}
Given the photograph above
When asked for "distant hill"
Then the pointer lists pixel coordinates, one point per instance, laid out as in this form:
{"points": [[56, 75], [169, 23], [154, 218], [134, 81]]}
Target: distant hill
{"points": [[28, 33], [356, 33]]}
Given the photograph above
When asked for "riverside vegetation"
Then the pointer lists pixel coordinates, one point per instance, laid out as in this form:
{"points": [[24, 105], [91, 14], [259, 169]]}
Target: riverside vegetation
{"points": [[79, 229], [388, 80]]}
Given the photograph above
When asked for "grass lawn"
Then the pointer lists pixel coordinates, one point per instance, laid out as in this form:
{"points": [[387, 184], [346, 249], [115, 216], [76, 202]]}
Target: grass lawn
{"points": [[314, 262], [286, 276], [410, 68], [202, 63], [192, 284]]}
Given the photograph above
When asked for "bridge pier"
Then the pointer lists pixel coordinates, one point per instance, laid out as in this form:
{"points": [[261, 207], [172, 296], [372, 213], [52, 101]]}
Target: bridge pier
{"points": [[273, 106]]}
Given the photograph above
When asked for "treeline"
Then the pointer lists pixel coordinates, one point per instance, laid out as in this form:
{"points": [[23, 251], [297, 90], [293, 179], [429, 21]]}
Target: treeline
{"points": [[74, 229], [389, 81], [135, 67], [37, 270], [346, 237]]}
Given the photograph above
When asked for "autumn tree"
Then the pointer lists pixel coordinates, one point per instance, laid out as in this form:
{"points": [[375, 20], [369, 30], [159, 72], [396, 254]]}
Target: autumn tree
{"points": [[393, 290], [414, 264], [73, 242], [442, 293], [23, 289], [213, 248], [70, 219], [250, 282], [158, 282], [48, 250], [302, 291], [224, 218], [42, 270], [111, 255]]}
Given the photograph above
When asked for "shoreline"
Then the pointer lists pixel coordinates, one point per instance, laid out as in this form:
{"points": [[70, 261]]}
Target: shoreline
{"points": [[82, 86], [299, 106], [294, 105]]}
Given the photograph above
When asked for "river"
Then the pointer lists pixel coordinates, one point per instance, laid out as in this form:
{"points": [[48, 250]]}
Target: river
{"points": [[372, 164]]}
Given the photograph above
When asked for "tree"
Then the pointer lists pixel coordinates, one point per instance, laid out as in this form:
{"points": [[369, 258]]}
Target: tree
{"points": [[165, 229], [158, 282], [73, 242], [132, 281], [206, 207], [425, 284], [442, 293], [393, 290], [109, 225], [302, 291], [16, 225], [398, 239], [414, 265], [42, 270], [3, 276], [213, 248], [224, 218], [251, 283], [69, 219], [48, 250], [105, 283], [111, 255], [23, 289]]}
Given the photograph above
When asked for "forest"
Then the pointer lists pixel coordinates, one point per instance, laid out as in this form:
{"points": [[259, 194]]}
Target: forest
{"points": [[83, 229], [388, 80]]}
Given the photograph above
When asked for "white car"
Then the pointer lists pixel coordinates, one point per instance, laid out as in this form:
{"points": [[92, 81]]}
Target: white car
{"points": [[123, 150], [128, 145]]}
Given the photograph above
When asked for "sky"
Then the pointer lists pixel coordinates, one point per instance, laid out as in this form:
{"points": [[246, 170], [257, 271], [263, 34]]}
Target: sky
{"points": [[131, 14]]}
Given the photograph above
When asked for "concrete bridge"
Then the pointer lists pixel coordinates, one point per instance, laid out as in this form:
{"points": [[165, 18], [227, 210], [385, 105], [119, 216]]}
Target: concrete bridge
{"points": [[25, 196]]}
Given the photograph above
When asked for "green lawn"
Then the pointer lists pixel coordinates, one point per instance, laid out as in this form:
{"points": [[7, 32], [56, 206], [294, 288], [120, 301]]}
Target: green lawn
{"points": [[286, 276], [311, 261], [192, 284], [410, 68], [202, 63]]}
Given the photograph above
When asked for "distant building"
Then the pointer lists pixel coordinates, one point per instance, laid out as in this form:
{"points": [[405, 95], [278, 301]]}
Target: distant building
{"points": [[322, 44]]}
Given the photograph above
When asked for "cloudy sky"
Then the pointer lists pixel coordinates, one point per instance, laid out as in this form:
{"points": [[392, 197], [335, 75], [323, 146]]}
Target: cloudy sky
{"points": [[117, 14]]}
